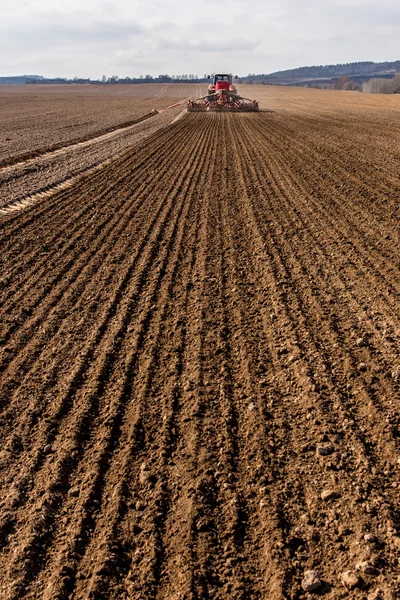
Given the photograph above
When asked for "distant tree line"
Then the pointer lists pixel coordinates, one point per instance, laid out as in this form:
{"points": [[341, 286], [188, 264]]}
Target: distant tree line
{"points": [[163, 78], [55, 80], [19, 79], [106, 80], [367, 76]]}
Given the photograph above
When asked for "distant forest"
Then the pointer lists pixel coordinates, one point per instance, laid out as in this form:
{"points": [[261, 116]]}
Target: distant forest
{"points": [[20, 79], [35, 79], [342, 76], [366, 68]]}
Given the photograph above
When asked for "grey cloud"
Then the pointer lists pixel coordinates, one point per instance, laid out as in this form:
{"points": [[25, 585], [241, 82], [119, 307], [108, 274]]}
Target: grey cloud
{"points": [[173, 36], [209, 45], [81, 27]]}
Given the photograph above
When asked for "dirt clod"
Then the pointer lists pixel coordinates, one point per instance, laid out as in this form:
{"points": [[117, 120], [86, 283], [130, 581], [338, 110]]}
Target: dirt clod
{"points": [[311, 581], [350, 579], [330, 494]]}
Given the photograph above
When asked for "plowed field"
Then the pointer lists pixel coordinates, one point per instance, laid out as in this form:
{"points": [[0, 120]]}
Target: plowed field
{"points": [[39, 118], [200, 364]]}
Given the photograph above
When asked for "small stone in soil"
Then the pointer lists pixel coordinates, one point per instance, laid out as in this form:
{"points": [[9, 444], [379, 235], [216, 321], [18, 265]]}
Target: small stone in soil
{"points": [[325, 449], [362, 367], [144, 475], [330, 495], [373, 539], [47, 449], [350, 580], [311, 581]]}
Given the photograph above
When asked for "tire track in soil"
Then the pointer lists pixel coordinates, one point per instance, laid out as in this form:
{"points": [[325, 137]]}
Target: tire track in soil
{"points": [[33, 181], [46, 192], [167, 381], [29, 160], [51, 210]]}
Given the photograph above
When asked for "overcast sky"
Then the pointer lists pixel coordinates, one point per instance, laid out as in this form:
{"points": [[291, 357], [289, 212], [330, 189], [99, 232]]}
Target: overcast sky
{"points": [[132, 37]]}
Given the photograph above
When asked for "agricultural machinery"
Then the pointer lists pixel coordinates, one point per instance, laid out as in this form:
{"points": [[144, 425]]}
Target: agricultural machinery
{"points": [[222, 96]]}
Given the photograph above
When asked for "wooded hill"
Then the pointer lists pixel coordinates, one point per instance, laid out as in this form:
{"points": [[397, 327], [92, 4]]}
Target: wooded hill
{"points": [[360, 71]]}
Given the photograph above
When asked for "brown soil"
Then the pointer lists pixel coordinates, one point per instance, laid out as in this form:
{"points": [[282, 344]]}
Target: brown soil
{"points": [[37, 176], [179, 334], [38, 118]]}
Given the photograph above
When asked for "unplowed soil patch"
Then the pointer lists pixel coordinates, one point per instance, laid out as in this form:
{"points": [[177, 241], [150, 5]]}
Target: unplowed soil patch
{"points": [[200, 366]]}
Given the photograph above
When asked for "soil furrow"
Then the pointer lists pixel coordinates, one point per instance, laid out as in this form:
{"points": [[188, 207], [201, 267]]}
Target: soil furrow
{"points": [[98, 393], [324, 310], [364, 447], [73, 272], [131, 262]]}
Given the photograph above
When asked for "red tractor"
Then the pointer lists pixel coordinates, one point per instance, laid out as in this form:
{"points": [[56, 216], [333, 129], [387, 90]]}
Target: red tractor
{"points": [[222, 96]]}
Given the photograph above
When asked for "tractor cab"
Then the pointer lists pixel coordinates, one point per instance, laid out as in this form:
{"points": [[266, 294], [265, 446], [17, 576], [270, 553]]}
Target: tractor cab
{"points": [[222, 81]]}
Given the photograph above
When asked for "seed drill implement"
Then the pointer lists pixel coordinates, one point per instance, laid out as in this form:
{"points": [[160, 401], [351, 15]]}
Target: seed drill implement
{"points": [[222, 96]]}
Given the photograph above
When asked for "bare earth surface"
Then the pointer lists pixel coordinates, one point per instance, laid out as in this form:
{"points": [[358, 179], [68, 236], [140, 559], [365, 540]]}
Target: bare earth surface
{"points": [[49, 160], [38, 118], [200, 362]]}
